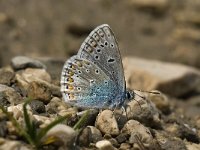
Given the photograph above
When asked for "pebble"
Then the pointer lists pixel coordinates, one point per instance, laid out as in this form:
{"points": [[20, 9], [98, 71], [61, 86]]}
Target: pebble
{"points": [[37, 106], [138, 132], [22, 62], [10, 95], [104, 145], [168, 142], [151, 74], [12, 145], [39, 91], [63, 134], [125, 146], [161, 102], [89, 135], [6, 76], [144, 111], [107, 123]]}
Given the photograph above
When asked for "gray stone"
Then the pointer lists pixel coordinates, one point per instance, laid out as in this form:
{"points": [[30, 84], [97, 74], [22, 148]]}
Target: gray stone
{"points": [[12, 145], [37, 106], [170, 78], [22, 62], [168, 142], [107, 123], [137, 133], [143, 110], [89, 135], [39, 91], [104, 145], [9, 94], [63, 134], [6, 76]]}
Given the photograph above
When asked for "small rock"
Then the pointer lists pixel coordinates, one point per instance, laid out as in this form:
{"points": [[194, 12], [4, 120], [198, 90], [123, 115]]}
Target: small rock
{"points": [[22, 62], [89, 135], [6, 76], [104, 145], [107, 123], [9, 94], [12, 145], [17, 111], [122, 137], [170, 78], [138, 132], [161, 101], [125, 146], [192, 146], [37, 106], [42, 121], [63, 135], [144, 111], [168, 142], [39, 91], [183, 131], [31, 74], [56, 105]]}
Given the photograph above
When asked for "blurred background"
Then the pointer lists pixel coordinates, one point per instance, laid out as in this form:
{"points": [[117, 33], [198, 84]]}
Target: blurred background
{"points": [[168, 30]]}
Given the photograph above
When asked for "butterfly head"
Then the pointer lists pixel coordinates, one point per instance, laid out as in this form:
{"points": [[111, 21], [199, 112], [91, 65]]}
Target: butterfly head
{"points": [[130, 94]]}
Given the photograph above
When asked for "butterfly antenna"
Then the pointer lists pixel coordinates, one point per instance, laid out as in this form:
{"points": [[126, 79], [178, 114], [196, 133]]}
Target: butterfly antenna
{"points": [[151, 92]]}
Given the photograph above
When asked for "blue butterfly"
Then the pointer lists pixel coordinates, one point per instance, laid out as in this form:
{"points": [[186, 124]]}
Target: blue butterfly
{"points": [[94, 78]]}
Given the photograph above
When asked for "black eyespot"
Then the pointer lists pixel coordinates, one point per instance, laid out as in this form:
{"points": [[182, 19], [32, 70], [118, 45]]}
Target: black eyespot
{"points": [[111, 60], [98, 50], [106, 82], [96, 57], [87, 70], [113, 72], [111, 45], [106, 43], [79, 72], [79, 88], [102, 45], [97, 71]]}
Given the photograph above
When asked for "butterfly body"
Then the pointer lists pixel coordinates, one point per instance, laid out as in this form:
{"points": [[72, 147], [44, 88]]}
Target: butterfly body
{"points": [[94, 78]]}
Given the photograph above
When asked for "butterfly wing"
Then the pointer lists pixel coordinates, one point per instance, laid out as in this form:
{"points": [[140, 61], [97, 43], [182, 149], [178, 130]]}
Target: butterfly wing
{"points": [[84, 84], [101, 48], [94, 78]]}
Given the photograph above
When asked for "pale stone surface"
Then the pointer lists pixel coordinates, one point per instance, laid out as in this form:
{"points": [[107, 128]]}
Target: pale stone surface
{"points": [[10, 94], [138, 132], [104, 145], [170, 78], [63, 134], [107, 123], [22, 62]]}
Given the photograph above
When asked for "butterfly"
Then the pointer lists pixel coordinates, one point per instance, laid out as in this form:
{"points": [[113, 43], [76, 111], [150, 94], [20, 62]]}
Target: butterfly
{"points": [[94, 78]]}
